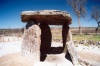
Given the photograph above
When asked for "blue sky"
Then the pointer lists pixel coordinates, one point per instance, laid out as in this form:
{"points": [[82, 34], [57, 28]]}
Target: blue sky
{"points": [[10, 11]]}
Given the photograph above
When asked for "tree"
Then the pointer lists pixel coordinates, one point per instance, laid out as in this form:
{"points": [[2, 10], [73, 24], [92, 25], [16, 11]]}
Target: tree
{"points": [[79, 9], [96, 15]]}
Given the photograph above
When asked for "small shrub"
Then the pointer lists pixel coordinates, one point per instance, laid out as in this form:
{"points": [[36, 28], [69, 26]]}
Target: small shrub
{"points": [[86, 44], [76, 45]]}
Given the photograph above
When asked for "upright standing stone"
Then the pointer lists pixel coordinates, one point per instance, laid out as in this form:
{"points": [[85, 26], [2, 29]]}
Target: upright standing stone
{"points": [[31, 43], [71, 49], [65, 30], [46, 39]]}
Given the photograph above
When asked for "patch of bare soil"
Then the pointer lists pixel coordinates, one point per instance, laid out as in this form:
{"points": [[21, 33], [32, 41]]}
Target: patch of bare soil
{"points": [[15, 59], [89, 56]]}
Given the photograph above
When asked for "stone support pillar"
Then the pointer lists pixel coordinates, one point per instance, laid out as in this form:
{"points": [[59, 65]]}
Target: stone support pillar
{"points": [[65, 29], [46, 39], [71, 49], [31, 43]]}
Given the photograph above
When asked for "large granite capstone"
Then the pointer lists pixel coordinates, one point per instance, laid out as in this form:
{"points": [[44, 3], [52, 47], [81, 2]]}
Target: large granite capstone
{"points": [[51, 17]]}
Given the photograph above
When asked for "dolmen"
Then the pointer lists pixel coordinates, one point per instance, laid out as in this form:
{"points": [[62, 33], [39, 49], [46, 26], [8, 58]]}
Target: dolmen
{"points": [[38, 37]]}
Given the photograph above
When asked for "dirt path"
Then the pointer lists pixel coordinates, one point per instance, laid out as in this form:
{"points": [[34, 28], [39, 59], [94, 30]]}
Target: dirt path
{"points": [[89, 56], [15, 59]]}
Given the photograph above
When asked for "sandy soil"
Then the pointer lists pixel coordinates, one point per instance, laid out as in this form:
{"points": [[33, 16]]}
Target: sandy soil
{"points": [[14, 59], [90, 56], [93, 59], [10, 55]]}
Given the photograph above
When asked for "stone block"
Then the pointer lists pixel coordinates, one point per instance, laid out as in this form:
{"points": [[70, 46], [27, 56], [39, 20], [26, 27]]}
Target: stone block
{"points": [[31, 43]]}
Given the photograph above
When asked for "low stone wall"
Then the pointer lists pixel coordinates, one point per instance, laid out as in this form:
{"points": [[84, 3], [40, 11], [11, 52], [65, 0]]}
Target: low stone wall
{"points": [[10, 39]]}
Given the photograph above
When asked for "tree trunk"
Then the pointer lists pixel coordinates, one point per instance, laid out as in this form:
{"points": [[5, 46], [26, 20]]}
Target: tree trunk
{"points": [[97, 30], [80, 29], [97, 27]]}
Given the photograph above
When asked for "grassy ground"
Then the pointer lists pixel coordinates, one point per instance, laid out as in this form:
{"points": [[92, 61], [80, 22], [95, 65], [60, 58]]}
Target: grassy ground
{"points": [[82, 37], [57, 34], [86, 37]]}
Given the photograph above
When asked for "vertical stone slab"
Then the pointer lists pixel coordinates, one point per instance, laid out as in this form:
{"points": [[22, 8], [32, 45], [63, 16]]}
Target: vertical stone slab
{"points": [[31, 43], [65, 30], [76, 59], [71, 49], [46, 38]]}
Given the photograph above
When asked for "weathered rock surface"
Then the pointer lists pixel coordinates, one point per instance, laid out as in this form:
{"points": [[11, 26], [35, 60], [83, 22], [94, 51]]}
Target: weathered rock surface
{"points": [[31, 43], [65, 30], [76, 59], [29, 24], [46, 39], [51, 17]]}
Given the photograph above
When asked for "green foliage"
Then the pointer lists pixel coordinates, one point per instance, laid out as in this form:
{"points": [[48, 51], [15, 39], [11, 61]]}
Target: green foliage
{"points": [[96, 37]]}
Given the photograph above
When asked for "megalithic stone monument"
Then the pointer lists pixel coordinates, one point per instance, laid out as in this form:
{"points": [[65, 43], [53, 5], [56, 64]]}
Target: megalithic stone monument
{"points": [[37, 35], [44, 18]]}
